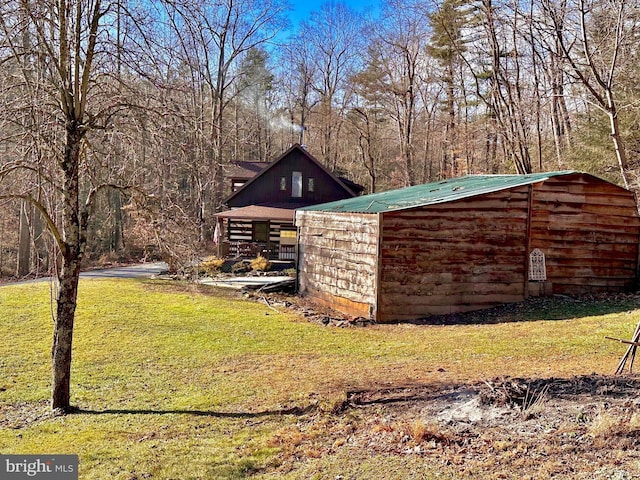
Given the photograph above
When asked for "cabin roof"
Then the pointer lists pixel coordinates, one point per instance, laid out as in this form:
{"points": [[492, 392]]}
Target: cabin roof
{"points": [[245, 169], [433, 193]]}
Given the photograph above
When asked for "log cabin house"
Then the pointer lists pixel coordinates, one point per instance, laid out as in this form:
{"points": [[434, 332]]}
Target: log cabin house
{"points": [[468, 243], [261, 208]]}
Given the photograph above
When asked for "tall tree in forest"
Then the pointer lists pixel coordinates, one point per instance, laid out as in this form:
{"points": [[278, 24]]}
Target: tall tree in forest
{"points": [[486, 37], [397, 52], [368, 116], [594, 38], [70, 66], [254, 107], [448, 46], [333, 35], [506, 96], [296, 76], [212, 39]]}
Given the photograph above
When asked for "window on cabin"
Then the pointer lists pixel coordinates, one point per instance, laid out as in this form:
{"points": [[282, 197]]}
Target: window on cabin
{"points": [[260, 232], [311, 185], [296, 184], [283, 183]]}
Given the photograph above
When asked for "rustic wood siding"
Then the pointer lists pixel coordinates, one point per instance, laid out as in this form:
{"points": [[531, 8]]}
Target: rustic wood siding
{"points": [[338, 255], [453, 257], [588, 230], [242, 230]]}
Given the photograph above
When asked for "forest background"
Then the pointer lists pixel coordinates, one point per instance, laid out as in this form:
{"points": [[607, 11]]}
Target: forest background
{"points": [[155, 100]]}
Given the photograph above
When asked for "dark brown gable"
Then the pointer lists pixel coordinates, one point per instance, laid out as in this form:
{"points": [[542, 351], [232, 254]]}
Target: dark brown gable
{"points": [[294, 180]]}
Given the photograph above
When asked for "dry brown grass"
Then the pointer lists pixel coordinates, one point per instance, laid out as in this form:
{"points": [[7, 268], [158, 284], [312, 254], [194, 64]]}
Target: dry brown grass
{"points": [[615, 427]]}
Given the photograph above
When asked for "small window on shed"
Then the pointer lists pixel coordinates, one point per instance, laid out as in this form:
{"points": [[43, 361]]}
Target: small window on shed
{"points": [[283, 183], [537, 267], [311, 184], [260, 231]]}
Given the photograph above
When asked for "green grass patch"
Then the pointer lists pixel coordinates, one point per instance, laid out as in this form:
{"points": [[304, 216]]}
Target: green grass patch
{"points": [[181, 382]]}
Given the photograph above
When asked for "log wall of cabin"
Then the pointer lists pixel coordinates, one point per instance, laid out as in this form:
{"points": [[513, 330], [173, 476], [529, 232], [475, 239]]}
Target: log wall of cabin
{"points": [[337, 263], [588, 230], [241, 231], [453, 257]]}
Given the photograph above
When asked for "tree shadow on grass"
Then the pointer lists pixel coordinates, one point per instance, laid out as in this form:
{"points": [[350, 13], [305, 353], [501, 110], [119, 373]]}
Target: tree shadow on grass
{"points": [[558, 307], [296, 411]]}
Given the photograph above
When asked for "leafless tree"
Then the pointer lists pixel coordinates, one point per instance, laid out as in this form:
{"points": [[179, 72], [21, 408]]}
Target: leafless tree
{"points": [[63, 75], [593, 39], [333, 36], [211, 40]]}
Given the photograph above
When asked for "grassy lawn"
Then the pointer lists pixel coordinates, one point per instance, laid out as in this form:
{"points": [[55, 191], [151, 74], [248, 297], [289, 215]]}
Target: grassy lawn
{"points": [[178, 382]]}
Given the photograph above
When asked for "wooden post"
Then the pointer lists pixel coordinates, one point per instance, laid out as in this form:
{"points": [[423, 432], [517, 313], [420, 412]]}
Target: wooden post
{"points": [[637, 279], [378, 283], [631, 351], [527, 243]]}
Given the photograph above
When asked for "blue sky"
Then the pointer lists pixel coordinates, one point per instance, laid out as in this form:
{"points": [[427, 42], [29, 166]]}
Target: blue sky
{"points": [[302, 8]]}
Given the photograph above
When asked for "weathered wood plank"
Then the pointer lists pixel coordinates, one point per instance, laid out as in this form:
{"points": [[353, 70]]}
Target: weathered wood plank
{"points": [[437, 276], [584, 236], [583, 188], [590, 187], [603, 249], [353, 280], [447, 243], [569, 198], [579, 289], [626, 263], [443, 230], [336, 302], [363, 250], [418, 290], [554, 207], [337, 221], [588, 271], [426, 214], [479, 256], [334, 288], [586, 220]]}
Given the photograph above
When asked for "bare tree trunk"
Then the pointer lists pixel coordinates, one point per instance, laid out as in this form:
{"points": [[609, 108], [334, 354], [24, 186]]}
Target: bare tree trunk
{"points": [[24, 247], [63, 336], [621, 154], [117, 239], [72, 252]]}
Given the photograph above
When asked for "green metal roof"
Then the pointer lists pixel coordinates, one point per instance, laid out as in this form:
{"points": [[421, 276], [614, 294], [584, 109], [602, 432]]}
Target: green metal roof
{"points": [[432, 193]]}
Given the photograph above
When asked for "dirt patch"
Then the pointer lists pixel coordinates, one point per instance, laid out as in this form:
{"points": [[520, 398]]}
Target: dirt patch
{"points": [[581, 427], [23, 414]]}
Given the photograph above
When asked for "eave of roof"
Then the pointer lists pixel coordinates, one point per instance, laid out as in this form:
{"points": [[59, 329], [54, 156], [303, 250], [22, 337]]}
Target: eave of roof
{"points": [[245, 169], [433, 193], [256, 212]]}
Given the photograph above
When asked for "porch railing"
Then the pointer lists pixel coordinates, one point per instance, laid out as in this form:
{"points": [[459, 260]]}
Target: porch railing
{"points": [[271, 251]]}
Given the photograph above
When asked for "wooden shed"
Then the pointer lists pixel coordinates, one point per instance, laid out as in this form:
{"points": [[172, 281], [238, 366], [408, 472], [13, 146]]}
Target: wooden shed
{"points": [[468, 243]]}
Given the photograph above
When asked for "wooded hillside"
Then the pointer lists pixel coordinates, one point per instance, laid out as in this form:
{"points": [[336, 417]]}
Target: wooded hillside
{"points": [[410, 92]]}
